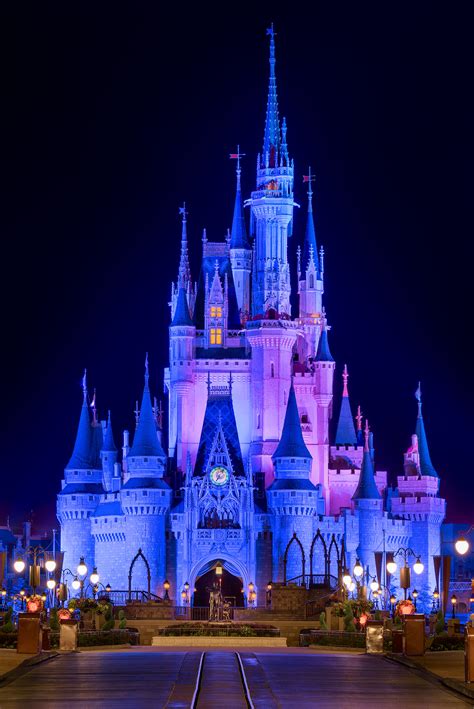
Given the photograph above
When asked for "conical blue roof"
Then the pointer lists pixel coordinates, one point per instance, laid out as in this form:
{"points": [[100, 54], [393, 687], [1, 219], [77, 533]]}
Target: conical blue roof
{"points": [[310, 239], [291, 443], [426, 466], [239, 238], [109, 443], [323, 353], [345, 433], [81, 455], [181, 314], [145, 441], [366, 488]]}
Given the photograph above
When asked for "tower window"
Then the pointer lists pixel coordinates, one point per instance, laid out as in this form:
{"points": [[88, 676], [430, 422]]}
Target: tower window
{"points": [[216, 336], [216, 311]]}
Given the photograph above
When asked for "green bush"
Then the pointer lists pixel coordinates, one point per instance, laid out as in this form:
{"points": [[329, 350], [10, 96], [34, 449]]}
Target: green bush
{"points": [[439, 626], [109, 619], [54, 620], [322, 621], [122, 620], [7, 626], [8, 640], [447, 642], [349, 625], [111, 637], [337, 639]]}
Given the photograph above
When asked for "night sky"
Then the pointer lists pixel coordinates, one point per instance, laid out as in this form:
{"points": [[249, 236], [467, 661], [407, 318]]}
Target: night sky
{"points": [[114, 118]]}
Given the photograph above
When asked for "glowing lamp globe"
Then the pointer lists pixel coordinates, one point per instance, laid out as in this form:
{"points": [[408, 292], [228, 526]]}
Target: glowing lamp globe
{"points": [[50, 565], [358, 569], [415, 593], [183, 595], [418, 567], [351, 586], [251, 587], [391, 567], [186, 586], [19, 566], [51, 583], [462, 546], [346, 580], [108, 588], [436, 593], [22, 592], [94, 576], [374, 586], [76, 584], [4, 593], [393, 599], [81, 567]]}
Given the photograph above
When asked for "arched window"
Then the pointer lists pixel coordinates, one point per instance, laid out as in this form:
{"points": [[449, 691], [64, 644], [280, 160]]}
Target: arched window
{"points": [[311, 281], [272, 370]]}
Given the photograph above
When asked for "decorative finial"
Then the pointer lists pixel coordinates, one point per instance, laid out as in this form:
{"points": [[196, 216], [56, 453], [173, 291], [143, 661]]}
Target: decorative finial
{"points": [[204, 236], [418, 398], [93, 407], [237, 156], [227, 236], [84, 383], [345, 377], [359, 418], [309, 178], [183, 212], [366, 436], [147, 375], [109, 418]]}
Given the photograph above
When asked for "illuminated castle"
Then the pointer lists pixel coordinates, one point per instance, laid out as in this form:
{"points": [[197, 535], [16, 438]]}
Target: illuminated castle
{"points": [[249, 476]]}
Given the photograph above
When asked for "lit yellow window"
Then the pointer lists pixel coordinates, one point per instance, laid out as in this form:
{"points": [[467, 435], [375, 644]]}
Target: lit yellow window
{"points": [[216, 311], [216, 336]]}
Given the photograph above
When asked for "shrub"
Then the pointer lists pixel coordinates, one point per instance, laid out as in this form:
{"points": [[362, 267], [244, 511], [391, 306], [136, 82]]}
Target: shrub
{"points": [[109, 620], [447, 642], [349, 625], [122, 620], [439, 626], [7, 626], [54, 620], [8, 640], [322, 621]]}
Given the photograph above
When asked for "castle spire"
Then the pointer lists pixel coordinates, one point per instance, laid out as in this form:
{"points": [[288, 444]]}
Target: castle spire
{"points": [[271, 140], [109, 443], [182, 316], [323, 353], [345, 433], [426, 466], [184, 272], [81, 455], [366, 488], [239, 239], [310, 233], [145, 441], [291, 443]]}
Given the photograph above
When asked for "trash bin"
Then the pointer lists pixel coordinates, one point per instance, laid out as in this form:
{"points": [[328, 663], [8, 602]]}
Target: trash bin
{"points": [[29, 633], [68, 635], [374, 637], [397, 641], [469, 654], [414, 630]]}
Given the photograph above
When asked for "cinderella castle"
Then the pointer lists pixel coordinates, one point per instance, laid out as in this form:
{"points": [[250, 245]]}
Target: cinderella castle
{"points": [[247, 475]]}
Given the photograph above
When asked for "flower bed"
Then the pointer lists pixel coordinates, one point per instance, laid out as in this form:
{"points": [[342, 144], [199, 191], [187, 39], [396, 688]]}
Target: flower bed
{"points": [[220, 630], [335, 638]]}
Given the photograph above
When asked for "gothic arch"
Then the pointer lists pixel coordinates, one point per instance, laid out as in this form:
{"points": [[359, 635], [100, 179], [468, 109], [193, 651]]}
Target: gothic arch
{"points": [[334, 545], [318, 537], [293, 539], [130, 572], [229, 562]]}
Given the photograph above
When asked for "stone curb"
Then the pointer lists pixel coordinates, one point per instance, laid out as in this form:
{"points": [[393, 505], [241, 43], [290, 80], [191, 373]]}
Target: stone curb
{"points": [[26, 666], [455, 684]]}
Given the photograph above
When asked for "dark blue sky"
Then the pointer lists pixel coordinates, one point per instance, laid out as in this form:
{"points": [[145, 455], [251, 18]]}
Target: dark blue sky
{"points": [[113, 119]]}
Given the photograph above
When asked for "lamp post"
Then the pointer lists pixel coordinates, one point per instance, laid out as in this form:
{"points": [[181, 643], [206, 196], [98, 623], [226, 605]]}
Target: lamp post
{"points": [[435, 601], [454, 600], [252, 595], [37, 554], [393, 600], [461, 544], [269, 593], [418, 567], [415, 596], [166, 587]]}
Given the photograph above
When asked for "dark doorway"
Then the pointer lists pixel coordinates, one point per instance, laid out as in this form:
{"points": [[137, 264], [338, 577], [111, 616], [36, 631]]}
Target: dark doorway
{"points": [[231, 588]]}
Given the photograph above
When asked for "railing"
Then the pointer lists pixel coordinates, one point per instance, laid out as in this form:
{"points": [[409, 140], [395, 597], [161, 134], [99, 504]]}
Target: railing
{"points": [[121, 598], [196, 613], [315, 581]]}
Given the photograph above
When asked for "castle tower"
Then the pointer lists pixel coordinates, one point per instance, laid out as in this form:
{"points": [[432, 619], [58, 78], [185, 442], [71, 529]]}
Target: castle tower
{"points": [[324, 366], [240, 249], [272, 210], [369, 509], [418, 499], [80, 493], [146, 498], [184, 271], [292, 497]]}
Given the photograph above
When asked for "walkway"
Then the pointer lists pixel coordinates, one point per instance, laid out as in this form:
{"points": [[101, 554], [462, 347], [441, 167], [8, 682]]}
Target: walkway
{"points": [[145, 677]]}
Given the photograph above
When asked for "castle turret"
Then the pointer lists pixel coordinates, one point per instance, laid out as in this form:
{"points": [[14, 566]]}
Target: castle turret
{"points": [[292, 497], [184, 270], [310, 276], [240, 249], [418, 499], [345, 433], [108, 455], [146, 497], [324, 366], [81, 490]]}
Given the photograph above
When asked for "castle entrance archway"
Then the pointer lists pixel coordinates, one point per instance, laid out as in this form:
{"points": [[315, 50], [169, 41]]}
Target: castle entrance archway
{"points": [[230, 580]]}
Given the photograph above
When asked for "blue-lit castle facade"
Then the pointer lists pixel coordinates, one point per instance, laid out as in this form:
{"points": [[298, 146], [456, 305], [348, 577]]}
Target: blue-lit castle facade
{"points": [[248, 473]]}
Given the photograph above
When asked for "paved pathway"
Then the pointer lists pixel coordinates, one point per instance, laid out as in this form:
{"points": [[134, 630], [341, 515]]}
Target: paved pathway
{"points": [[141, 678]]}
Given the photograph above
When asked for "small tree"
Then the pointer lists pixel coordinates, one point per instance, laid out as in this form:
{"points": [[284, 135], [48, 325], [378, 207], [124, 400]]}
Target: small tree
{"points": [[439, 626], [122, 620], [54, 620], [322, 621], [109, 619], [349, 625]]}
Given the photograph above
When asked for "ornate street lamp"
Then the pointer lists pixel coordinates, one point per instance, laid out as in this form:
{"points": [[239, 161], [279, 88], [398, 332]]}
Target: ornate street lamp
{"points": [[454, 600], [461, 544], [166, 586], [418, 567], [94, 577], [358, 570], [415, 596]]}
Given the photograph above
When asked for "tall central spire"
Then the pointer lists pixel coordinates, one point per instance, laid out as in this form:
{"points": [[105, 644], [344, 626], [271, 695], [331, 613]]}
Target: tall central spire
{"points": [[184, 273], [271, 140]]}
